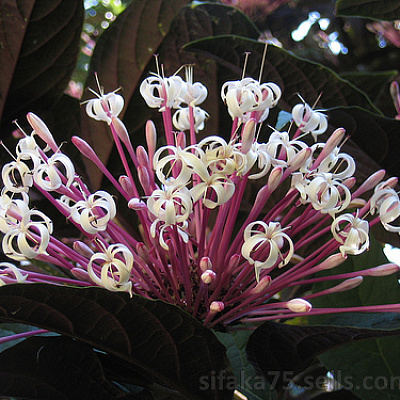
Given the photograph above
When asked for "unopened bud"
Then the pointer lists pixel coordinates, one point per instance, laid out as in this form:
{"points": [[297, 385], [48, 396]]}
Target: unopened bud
{"points": [[83, 249], [299, 159], [142, 156], [349, 182], [143, 252], [370, 182], [331, 262], [121, 131], [144, 178], [274, 178], [126, 184], [136, 204], [299, 305], [263, 284], [181, 140], [357, 203], [81, 274], [42, 130], [348, 284], [333, 141], [216, 307], [383, 270], [208, 276], [151, 139], [205, 264], [233, 263], [85, 148], [249, 132]]}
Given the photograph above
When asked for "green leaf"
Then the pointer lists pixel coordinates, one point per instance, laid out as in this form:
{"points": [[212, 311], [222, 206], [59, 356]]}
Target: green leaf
{"points": [[155, 337], [53, 368], [39, 52], [247, 381], [372, 9], [293, 74], [365, 367], [280, 351]]}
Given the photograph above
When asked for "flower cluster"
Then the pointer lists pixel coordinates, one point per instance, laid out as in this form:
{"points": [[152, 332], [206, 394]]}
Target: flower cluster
{"points": [[192, 252]]}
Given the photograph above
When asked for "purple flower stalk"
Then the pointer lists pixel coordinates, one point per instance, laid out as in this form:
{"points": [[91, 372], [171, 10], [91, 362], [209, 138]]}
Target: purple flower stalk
{"points": [[192, 252]]}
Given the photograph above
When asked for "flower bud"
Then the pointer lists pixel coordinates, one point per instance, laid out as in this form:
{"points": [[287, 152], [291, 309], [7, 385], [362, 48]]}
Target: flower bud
{"points": [[205, 264], [299, 159], [181, 140], [331, 262], [151, 140], [216, 306], [121, 131], [299, 305], [136, 204], [274, 178], [263, 284], [383, 270], [248, 135], [83, 249], [348, 284], [333, 141], [126, 184], [370, 182], [42, 130], [81, 274], [208, 276]]}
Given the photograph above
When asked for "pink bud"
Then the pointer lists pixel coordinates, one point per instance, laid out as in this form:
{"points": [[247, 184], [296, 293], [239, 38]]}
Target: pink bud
{"points": [[383, 270], [81, 274], [208, 276], [121, 131], [151, 139], [136, 204], [143, 252], [370, 182], [216, 306], [333, 141], [205, 264], [299, 159], [248, 135], [263, 284], [42, 130], [299, 306], [349, 182], [348, 284], [142, 156], [181, 140], [83, 249], [126, 184], [274, 178], [233, 263], [331, 262], [144, 178], [84, 148]]}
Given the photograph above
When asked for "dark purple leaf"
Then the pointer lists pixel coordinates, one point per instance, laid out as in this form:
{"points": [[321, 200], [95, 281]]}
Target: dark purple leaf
{"points": [[42, 40], [154, 336], [53, 368]]}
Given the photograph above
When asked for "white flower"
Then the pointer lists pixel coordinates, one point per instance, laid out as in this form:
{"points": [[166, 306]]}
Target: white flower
{"points": [[328, 194], [270, 238], [192, 94], [354, 235], [170, 205], [106, 107], [7, 269], [161, 92], [115, 265], [181, 119], [29, 237], [17, 176], [309, 120], [47, 175], [387, 202], [93, 213]]}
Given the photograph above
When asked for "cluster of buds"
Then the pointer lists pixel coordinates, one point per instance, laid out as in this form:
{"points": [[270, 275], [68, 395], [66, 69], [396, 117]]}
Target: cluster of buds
{"points": [[192, 252]]}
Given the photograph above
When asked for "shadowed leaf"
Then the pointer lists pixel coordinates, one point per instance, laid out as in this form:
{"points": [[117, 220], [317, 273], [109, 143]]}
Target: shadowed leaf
{"points": [[53, 368], [155, 337], [373, 9], [42, 48]]}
